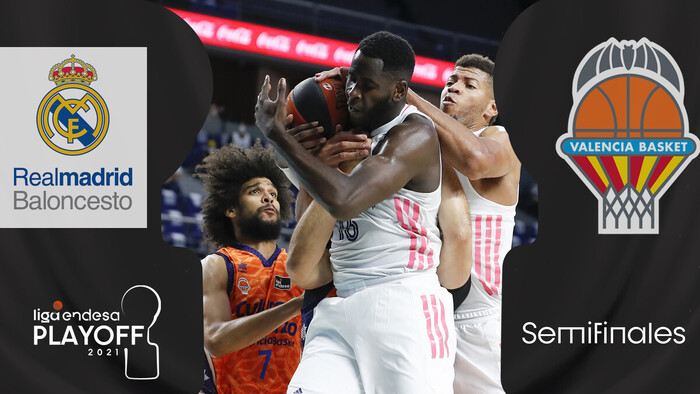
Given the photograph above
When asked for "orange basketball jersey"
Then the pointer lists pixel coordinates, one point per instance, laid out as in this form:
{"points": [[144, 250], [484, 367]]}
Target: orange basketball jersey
{"points": [[254, 285]]}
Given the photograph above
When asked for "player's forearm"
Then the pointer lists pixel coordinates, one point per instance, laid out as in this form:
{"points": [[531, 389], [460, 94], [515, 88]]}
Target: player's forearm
{"points": [[324, 184], [455, 261], [303, 201], [468, 153], [279, 160], [455, 223], [305, 262], [311, 277], [234, 335]]}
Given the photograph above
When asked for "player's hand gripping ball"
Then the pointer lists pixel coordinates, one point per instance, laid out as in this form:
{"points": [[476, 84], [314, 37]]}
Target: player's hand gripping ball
{"points": [[322, 101]]}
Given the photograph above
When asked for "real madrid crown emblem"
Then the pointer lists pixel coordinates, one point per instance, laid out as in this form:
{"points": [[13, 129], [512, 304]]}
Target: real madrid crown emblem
{"points": [[72, 118]]}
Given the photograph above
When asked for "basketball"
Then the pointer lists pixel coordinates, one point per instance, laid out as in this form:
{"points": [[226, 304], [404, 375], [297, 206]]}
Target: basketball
{"points": [[324, 101], [628, 107]]}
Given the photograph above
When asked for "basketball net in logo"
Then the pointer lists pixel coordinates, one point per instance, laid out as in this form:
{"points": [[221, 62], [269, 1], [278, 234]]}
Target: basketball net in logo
{"points": [[628, 136]]}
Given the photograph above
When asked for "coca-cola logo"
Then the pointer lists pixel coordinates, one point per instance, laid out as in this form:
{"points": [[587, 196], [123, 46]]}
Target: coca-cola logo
{"points": [[296, 46], [203, 28], [343, 56], [426, 71], [279, 43], [239, 35], [316, 50]]}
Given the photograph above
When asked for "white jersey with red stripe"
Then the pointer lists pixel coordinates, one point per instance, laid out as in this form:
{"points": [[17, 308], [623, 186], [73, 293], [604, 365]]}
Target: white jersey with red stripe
{"points": [[391, 330], [392, 240], [492, 238]]}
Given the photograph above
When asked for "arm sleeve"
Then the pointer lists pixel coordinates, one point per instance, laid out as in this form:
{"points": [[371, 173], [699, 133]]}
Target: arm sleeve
{"points": [[460, 294], [291, 176]]}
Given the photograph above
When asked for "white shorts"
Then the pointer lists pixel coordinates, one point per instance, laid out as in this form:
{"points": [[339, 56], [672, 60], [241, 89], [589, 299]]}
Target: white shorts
{"points": [[395, 337], [478, 359]]}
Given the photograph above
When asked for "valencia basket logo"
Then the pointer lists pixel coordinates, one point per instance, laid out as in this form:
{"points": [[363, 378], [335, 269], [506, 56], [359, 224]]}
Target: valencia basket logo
{"points": [[628, 137], [72, 118]]}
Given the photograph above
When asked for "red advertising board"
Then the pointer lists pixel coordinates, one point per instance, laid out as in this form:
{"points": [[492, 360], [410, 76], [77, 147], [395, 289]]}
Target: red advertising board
{"points": [[306, 48]]}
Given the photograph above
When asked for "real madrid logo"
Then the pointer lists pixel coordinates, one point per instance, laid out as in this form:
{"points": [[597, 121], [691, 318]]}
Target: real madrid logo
{"points": [[72, 118]]}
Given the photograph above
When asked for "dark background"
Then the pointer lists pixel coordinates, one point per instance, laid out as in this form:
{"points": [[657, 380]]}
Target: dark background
{"points": [[571, 275], [92, 268]]}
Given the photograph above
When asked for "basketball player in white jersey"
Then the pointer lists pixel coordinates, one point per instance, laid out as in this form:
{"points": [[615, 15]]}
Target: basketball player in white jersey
{"points": [[390, 329], [490, 173]]}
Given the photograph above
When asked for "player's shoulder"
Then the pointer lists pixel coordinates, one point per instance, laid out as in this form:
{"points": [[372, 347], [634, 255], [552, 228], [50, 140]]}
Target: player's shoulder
{"points": [[227, 255], [414, 126], [213, 259], [214, 262], [419, 118], [497, 133], [419, 123], [214, 270], [491, 131]]}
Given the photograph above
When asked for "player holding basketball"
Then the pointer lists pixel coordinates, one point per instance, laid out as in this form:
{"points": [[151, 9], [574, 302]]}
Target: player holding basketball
{"points": [[343, 151], [490, 173], [251, 307], [390, 329]]}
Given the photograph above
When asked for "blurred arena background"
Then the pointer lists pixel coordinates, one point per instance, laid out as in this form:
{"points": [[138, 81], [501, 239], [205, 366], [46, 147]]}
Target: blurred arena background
{"points": [[440, 32]]}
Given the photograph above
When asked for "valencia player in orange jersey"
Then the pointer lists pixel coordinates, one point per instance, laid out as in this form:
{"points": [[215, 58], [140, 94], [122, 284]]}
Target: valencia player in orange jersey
{"points": [[252, 335]]}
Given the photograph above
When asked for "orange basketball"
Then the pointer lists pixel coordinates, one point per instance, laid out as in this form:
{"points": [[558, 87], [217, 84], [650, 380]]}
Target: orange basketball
{"points": [[324, 101], [628, 106]]}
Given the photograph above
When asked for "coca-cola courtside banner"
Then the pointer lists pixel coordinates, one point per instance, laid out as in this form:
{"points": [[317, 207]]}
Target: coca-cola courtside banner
{"points": [[285, 44]]}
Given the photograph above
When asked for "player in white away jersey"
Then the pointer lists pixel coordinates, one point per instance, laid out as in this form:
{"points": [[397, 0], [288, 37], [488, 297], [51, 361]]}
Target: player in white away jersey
{"points": [[391, 328], [490, 173], [396, 238]]}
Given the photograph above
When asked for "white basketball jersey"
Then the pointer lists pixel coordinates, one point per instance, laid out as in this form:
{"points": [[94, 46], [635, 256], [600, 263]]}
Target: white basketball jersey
{"points": [[391, 240], [492, 238]]}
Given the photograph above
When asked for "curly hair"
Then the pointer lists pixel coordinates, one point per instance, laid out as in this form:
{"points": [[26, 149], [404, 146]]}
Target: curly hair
{"points": [[223, 173], [483, 63], [396, 53]]}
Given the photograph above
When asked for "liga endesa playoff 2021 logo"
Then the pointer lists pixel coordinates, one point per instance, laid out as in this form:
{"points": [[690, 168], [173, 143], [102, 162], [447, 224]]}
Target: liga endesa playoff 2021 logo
{"points": [[628, 137], [115, 334], [72, 118]]}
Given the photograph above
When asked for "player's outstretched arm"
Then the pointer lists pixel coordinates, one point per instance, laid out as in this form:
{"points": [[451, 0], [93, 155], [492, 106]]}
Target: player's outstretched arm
{"points": [[488, 156], [222, 335], [455, 224], [309, 263]]}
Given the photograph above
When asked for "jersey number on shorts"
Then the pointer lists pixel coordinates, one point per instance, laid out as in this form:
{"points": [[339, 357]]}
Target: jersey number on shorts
{"points": [[349, 230]]}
